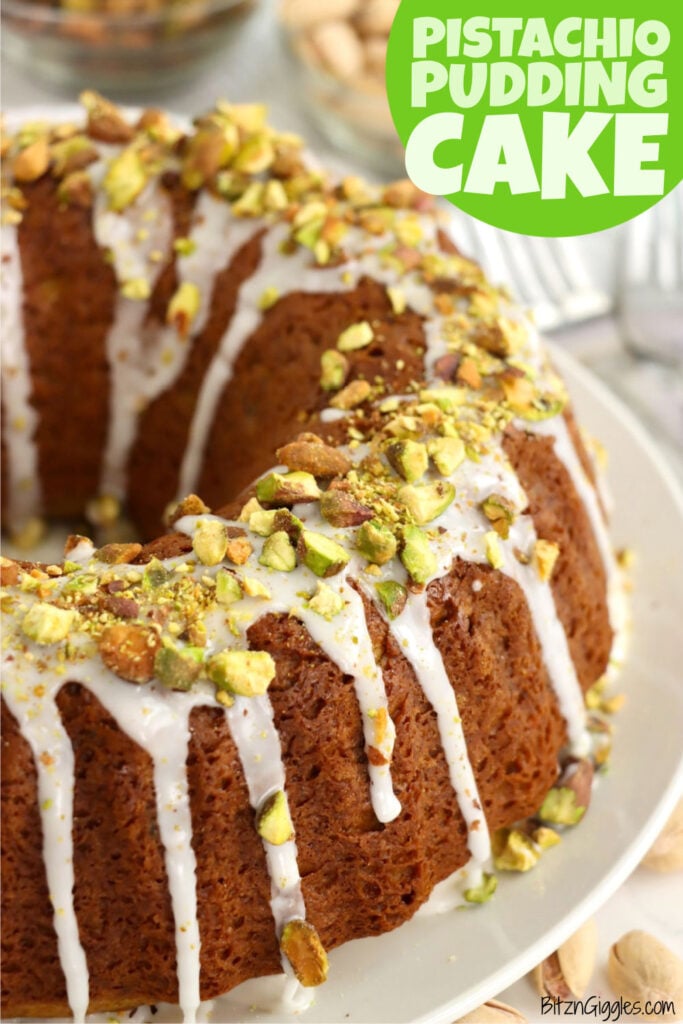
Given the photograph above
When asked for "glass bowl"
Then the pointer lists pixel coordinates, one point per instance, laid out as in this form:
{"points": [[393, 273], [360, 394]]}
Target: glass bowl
{"points": [[118, 46], [352, 112]]}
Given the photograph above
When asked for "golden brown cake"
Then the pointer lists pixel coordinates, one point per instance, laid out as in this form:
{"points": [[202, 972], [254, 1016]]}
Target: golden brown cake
{"points": [[279, 726]]}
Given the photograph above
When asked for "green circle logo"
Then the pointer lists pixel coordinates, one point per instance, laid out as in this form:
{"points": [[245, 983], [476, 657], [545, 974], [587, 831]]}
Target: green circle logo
{"points": [[558, 123]]}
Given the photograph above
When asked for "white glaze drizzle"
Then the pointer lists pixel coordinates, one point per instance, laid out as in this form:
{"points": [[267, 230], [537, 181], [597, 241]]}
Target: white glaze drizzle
{"points": [[31, 698], [413, 632], [258, 745], [20, 418], [617, 605], [161, 728], [144, 228]]}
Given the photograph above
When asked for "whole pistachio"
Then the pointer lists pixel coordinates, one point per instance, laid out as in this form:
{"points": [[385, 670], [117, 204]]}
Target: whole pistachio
{"points": [[566, 973], [641, 968], [666, 853], [493, 1012]]}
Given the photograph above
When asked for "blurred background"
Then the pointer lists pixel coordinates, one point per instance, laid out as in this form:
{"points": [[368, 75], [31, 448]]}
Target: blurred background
{"points": [[614, 299]]}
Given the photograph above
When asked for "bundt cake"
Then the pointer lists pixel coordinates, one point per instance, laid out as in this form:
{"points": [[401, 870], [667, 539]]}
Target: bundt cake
{"points": [[279, 726]]}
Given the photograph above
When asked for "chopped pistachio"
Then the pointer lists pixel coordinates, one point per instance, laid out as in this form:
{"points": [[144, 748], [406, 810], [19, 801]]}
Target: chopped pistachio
{"points": [[334, 370], [544, 557], [137, 289], [183, 308], [253, 505], [560, 807], [176, 669], [228, 589], [185, 246], [255, 156], [254, 588], [47, 624], [125, 179], [340, 509], [320, 554], [238, 550], [356, 336], [287, 488], [409, 459], [545, 838], [427, 501], [398, 300], [353, 395], [483, 892], [278, 553], [262, 522], [32, 162], [273, 822], [210, 541], [393, 596], [417, 555], [376, 542], [301, 945], [494, 553], [269, 297], [155, 575], [446, 453], [245, 673], [500, 512], [326, 601], [513, 850], [448, 399]]}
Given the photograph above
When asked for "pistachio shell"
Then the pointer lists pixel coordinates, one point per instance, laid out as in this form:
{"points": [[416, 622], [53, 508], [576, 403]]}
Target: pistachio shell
{"points": [[568, 971], [666, 853], [493, 1012], [641, 968]]}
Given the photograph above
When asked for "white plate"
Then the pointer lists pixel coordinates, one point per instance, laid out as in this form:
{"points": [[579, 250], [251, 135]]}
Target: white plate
{"points": [[434, 969]]}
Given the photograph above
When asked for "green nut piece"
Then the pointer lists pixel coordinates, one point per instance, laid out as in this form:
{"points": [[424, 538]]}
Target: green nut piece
{"points": [[210, 541], [417, 555], [560, 807], [287, 521], [228, 589], [301, 944], [47, 624], [376, 542], [483, 892], [409, 459], [273, 822], [155, 575], [494, 553], [334, 369], [278, 553], [356, 336], [326, 602], [287, 488], [322, 556], [125, 179], [262, 522], [246, 673], [545, 838], [393, 596], [84, 583], [183, 308], [341, 509], [448, 399], [427, 501], [176, 668], [446, 453], [514, 851], [500, 512]]}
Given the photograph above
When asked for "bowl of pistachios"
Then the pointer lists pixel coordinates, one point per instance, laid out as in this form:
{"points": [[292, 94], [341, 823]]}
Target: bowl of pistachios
{"points": [[118, 46], [338, 50]]}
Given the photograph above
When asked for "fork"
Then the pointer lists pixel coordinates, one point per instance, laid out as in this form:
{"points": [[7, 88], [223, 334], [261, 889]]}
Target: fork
{"points": [[651, 286], [544, 274]]}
